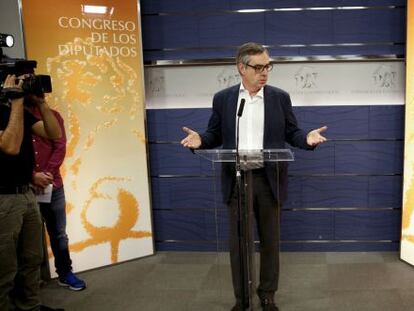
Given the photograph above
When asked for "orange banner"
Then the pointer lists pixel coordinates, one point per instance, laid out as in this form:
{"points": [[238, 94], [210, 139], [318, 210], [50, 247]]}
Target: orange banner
{"points": [[94, 56], [407, 234]]}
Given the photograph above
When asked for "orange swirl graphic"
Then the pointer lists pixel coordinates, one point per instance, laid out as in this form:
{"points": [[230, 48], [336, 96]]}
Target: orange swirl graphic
{"points": [[128, 217]]}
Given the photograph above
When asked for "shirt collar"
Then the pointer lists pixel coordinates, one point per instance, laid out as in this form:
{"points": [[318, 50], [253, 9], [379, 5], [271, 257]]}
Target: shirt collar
{"points": [[243, 90]]}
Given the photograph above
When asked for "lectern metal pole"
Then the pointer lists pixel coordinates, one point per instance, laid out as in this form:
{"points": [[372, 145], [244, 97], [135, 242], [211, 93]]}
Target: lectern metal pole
{"points": [[241, 231]]}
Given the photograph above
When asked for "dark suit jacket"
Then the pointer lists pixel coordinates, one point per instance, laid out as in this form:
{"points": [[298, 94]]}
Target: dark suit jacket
{"points": [[280, 126]]}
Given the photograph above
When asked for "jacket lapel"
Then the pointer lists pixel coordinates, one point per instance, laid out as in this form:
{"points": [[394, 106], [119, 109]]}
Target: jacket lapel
{"points": [[267, 116], [232, 111]]}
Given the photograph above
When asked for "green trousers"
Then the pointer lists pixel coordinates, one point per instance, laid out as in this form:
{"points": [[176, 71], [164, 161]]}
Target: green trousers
{"points": [[20, 251]]}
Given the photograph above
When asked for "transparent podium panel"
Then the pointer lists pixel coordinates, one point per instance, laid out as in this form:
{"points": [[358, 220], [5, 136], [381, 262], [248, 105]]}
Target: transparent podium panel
{"points": [[234, 226], [254, 156]]}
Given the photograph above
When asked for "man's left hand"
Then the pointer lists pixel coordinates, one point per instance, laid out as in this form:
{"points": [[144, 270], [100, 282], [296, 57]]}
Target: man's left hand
{"points": [[314, 138], [37, 100]]}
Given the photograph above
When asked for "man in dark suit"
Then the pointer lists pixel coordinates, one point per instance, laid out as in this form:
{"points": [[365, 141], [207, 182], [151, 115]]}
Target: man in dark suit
{"points": [[267, 123]]}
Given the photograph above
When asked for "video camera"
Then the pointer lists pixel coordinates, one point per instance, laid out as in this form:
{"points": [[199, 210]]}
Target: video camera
{"points": [[35, 84]]}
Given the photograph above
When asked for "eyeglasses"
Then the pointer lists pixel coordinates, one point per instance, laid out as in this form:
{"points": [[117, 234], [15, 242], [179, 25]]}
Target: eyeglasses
{"points": [[261, 68]]}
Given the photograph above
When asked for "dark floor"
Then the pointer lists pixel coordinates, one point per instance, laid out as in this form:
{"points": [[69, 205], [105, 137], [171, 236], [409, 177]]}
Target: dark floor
{"points": [[201, 281]]}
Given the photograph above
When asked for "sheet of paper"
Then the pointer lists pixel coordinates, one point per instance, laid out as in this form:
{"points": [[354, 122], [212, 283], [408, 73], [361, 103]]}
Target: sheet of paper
{"points": [[46, 196]]}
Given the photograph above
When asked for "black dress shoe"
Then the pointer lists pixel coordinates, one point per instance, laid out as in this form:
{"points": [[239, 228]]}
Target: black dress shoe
{"points": [[268, 305], [46, 308]]}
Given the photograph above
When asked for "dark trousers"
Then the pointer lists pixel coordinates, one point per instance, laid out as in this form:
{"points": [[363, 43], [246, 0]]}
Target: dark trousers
{"points": [[21, 251], [266, 211], [54, 214]]}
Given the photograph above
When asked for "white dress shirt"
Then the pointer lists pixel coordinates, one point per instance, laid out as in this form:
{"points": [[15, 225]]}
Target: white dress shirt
{"points": [[252, 121]]}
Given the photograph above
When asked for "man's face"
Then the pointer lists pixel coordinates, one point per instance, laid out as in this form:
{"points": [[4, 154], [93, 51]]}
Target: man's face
{"points": [[253, 80]]}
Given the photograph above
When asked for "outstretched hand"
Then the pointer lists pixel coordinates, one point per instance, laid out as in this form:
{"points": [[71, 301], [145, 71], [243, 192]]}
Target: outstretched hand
{"points": [[314, 138], [193, 139]]}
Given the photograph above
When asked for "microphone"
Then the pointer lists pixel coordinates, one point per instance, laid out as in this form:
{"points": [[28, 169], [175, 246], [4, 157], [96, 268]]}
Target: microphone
{"points": [[241, 107], [239, 114]]}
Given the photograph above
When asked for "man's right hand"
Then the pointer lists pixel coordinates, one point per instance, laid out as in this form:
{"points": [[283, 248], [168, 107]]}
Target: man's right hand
{"points": [[42, 179], [13, 85], [193, 139], [12, 136]]}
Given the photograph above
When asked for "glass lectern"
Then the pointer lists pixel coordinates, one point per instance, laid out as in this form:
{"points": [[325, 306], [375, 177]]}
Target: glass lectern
{"points": [[249, 160]]}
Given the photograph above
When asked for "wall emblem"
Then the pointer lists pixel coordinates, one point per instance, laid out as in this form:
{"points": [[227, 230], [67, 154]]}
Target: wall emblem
{"points": [[228, 77], [385, 76], [306, 77]]}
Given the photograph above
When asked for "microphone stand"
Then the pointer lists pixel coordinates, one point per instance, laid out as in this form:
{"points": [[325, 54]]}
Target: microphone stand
{"points": [[241, 222]]}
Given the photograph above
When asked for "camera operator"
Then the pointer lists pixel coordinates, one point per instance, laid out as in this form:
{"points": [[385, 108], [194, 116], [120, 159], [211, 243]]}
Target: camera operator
{"points": [[20, 222]]}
